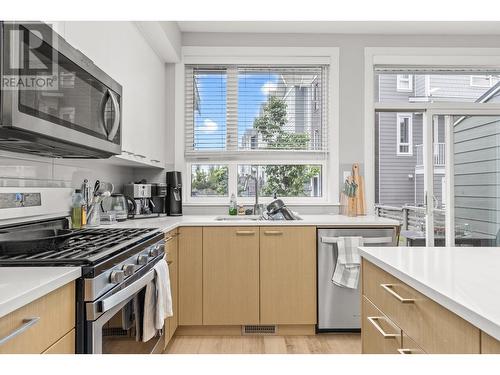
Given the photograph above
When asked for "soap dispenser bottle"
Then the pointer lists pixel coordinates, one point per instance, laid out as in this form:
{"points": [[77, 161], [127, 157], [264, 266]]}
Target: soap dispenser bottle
{"points": [[233, 205]]}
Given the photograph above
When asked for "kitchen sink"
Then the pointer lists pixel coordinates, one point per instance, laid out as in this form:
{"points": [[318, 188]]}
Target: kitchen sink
{"points": [[238, 218]]}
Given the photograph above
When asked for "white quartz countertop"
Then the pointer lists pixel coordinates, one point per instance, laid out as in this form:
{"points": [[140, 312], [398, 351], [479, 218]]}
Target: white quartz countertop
{"points": [[465, 280], [168, 223], [22, 285]]}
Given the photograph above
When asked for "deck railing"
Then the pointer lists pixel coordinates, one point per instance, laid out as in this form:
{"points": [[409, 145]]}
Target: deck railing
{"points": [[439, 154], [411, 217]]}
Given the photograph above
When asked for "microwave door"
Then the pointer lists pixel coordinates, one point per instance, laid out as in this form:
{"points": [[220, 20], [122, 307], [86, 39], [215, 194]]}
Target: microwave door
{"points": [[79, 108]]}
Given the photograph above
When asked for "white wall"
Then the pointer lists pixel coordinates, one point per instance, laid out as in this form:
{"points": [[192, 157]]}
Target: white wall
{"points": [[351, 68]]}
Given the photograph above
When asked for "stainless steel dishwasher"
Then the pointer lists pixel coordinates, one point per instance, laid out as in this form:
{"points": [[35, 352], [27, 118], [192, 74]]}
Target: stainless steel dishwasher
{"points": [[339, 309]]}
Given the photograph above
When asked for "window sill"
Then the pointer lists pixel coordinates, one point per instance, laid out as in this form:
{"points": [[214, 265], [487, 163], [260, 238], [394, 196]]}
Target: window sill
{"points": [[215, 204]]}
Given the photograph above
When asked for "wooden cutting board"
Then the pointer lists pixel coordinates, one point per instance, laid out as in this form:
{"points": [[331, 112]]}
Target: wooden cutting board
{"points": [[360, 192]]}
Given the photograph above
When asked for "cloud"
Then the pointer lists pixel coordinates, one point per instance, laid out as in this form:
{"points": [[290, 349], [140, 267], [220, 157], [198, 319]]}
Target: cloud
{"points": [[209, 126], [268, 87]]}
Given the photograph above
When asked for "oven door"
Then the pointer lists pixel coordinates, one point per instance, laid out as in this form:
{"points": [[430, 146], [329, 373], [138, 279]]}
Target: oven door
{"points": [[114, 321], [83, 104]]}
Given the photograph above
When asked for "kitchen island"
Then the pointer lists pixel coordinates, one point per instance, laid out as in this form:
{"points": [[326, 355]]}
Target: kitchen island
{"points": [[431, 299]]}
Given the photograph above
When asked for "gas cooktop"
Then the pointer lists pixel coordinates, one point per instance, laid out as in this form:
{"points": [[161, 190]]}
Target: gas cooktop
{"points": [[85, 247]]}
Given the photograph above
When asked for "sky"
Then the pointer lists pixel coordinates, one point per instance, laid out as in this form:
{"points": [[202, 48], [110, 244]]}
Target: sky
{"points": [[210, 123]]}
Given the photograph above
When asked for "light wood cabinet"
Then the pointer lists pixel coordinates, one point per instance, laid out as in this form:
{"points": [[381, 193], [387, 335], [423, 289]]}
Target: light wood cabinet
{"points": [[65, 345], [230, 275], [190, 268], [54, 317], [489, 345], [409, 346], [288, 275], [433, 328], [171, 254], [379, 334]]}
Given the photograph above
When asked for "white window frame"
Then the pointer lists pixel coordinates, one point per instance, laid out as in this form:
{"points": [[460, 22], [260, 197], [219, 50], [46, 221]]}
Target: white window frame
{"points": [[400, 80], [490, 81], [399, 117], [486, 58], [264, 56]]}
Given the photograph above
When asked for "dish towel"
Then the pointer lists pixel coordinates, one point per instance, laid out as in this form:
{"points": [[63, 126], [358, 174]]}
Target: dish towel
{"points": [[347, 267], [157, 302]]}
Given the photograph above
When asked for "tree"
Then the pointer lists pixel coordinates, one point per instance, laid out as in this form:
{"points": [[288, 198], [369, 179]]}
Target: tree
{"points": [[209, 182], [284, 180]]}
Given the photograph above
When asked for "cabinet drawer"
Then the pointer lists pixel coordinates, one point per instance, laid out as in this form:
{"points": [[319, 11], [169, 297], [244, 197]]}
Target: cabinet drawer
{"points": [[379, 335], [434, 328], [56, 317], [489, 345], [409, 346], [65, 345]]}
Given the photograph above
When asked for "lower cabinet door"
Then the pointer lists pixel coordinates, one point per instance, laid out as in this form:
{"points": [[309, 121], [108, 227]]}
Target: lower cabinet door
{"points": [[230, 275], [288, 275], [379, 335], [489, 345]]}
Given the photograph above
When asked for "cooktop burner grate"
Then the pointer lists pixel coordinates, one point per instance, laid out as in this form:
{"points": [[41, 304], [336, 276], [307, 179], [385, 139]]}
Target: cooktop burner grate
{"points": [[87, 246]]}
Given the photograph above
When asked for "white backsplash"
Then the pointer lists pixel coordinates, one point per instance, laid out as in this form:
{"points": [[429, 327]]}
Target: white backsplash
{"points": [[55, 179]]}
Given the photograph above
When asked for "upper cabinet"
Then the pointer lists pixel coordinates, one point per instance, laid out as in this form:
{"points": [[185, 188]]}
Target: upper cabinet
{"points": [[121, 50]]}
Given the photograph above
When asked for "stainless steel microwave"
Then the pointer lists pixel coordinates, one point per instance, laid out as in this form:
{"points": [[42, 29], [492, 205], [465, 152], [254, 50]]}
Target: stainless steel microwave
{"points": [[54, 100]]}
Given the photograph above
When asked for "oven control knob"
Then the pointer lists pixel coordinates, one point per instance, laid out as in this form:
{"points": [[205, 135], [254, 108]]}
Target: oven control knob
{"points": [[161, 248], [128, 269], [153, 251], [117, 276], [142, 259]]}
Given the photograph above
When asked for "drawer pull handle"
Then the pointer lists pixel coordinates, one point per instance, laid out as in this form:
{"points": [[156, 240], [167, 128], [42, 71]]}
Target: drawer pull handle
{"points": [[245, 232], [389, 289], [374, 320], [405, 351], [273, 232], [169, 238], [27, 323]]}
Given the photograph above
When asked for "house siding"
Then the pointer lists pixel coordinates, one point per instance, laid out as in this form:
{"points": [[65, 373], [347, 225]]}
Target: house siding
{"points": [[477, 173], [396, 188]]}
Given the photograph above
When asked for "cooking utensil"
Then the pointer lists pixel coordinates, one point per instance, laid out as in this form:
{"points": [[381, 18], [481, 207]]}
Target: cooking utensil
{"points": [[33, 241], [275, 206]]}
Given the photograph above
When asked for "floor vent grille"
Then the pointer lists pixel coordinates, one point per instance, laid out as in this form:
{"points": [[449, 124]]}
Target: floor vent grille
{"points": [[259, 330]]}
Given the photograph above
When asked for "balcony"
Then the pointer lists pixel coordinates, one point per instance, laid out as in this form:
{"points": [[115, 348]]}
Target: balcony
{"points": [[439, 155]]}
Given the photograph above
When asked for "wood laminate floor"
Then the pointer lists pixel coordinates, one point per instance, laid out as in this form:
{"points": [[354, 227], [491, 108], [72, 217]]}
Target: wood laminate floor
{"points": [[318, 344]]}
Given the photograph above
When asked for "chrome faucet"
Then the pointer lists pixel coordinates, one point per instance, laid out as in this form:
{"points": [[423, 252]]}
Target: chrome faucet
{"points": [[257, 208]]}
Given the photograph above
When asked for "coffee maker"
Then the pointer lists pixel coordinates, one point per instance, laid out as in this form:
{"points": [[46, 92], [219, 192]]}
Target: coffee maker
{"points": [[159, 198], [141, 194], [174, 193]]}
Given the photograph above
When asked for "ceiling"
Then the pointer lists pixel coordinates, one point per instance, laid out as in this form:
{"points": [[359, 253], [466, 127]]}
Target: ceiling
{"points": [[344, 27]]}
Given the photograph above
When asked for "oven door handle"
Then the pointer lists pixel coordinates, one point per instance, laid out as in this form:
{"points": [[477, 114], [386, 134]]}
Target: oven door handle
{"points": [[113, 300]]}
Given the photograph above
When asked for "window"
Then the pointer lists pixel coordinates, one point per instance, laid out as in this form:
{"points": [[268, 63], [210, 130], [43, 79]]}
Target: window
{"points": [[404, 82], [209, 180], [404, 134], [292, 180], [269, 121], [484, 80]]}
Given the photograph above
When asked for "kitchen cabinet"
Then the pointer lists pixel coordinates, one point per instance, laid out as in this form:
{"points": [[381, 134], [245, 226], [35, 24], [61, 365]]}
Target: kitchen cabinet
{"points": [[52, 317], [489, 345], [65, 345], [380, 334], [121, 51], [430, 326], [190, 276], [230, 275], [287, 275], [171, 254]]}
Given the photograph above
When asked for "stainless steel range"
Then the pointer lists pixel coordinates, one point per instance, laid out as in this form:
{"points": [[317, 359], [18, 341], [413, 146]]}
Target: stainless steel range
{"points": [[117, 264]]}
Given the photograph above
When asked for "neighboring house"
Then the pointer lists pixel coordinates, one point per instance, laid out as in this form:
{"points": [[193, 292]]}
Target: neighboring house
{"points": [[399, 136], [302, 98]]}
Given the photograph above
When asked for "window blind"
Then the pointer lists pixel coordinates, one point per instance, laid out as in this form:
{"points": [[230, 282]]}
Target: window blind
{"points": [[237, 110]]}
